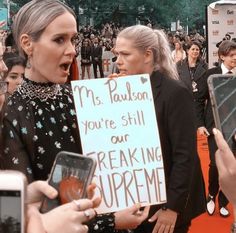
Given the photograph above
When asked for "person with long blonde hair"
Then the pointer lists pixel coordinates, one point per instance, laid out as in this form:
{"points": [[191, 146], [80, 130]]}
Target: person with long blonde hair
{"points": [[140, 49]]}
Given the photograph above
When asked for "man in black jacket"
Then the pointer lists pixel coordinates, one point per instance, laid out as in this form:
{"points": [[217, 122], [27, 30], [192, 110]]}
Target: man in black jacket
{"points": [[227, 57], [96, 54]]}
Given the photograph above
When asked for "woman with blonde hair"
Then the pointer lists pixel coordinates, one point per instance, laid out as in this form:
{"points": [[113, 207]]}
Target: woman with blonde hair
{"points": [[140, 49]]}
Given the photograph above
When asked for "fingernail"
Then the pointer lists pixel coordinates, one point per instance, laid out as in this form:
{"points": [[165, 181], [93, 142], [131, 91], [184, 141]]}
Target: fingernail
{"points": [[214, 131], [54, 192]]}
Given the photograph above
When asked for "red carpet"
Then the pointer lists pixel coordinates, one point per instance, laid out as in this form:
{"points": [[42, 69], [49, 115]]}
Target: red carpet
{"points": [[206, 223]]}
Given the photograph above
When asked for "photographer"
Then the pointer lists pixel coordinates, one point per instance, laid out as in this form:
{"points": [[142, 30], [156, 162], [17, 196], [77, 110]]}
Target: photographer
{"points": [[226, 37]]}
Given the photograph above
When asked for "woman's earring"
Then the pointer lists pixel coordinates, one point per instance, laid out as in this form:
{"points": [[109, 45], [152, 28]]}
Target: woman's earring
{"points": [[28, 64]]}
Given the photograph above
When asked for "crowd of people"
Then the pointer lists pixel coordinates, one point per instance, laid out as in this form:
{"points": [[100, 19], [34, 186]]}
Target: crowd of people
{"points": [[38, 116], [91, 44]]}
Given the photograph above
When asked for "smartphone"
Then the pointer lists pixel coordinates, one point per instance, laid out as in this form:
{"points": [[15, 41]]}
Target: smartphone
{"points": [[70, 175], [222, 90], [12, 199]]}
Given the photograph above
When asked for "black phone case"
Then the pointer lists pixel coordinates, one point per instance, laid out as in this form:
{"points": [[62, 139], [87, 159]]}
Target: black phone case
{"points": [[222, 91], [71, 173]]}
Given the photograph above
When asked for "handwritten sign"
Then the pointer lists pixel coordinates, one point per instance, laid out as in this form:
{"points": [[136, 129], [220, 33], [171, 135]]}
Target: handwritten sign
{"points": [[118, 128]]}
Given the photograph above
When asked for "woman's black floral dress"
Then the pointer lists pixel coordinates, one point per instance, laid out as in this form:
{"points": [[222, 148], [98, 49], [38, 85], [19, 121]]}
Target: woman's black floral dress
{"points": [[39, 121]]}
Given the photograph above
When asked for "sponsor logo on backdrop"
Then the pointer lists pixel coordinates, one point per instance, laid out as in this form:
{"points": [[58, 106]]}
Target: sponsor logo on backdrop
{"points": [[230, 22], [221, 21], [230, 12], [106, 64], [215, 12], [215, 32]]}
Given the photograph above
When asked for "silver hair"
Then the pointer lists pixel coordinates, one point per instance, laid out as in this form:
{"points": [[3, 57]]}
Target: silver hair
{"points": [[145, 37], [34, 17]]}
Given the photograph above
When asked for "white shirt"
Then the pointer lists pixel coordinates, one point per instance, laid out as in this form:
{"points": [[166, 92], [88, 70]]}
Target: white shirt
{"points": [[225, 70]]}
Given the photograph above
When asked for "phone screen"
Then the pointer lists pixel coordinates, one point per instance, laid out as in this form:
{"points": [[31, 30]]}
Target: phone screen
{"points": [[223, 91], [10, 211], [70, 176]]}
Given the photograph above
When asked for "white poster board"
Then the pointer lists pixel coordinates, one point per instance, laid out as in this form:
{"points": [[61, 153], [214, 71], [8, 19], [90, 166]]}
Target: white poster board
{"points": [[221, 17], [118, 128]]}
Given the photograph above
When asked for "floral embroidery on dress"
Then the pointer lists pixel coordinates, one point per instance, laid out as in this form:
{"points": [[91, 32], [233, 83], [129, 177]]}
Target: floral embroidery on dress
{"points": [[52, 119], [63, 116], [20, 108], [72, 139], [35, 138], [40, 166], [41, 150], [52, 107], [29, 170], [40, 111], [11, 134], [61, 105], [39, 125], [72, 112], [14, 122], [15, 160], [24, 130], [65, 128], [6, 150], [58, 144]]}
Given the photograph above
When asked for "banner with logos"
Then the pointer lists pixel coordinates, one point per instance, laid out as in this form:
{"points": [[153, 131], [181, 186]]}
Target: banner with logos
{"points": [[221, 21], [118, 127]]}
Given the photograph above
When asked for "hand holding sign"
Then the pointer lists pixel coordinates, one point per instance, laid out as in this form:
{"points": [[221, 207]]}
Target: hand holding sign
{"points": [[130, 218]]}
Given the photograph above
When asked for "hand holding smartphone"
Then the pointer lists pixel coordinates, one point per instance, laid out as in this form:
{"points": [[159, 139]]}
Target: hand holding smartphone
{"points": [[70, 175], [222, 90], [12, 199]]}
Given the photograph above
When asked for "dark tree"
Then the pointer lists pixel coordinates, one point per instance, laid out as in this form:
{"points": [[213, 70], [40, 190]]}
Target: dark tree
{"points": [[158, 12]]}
